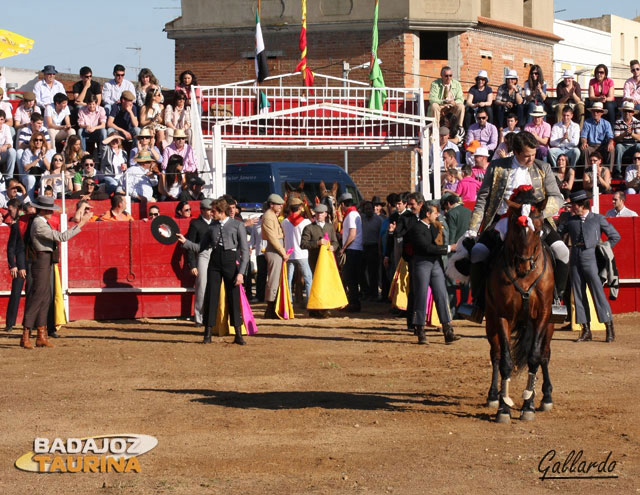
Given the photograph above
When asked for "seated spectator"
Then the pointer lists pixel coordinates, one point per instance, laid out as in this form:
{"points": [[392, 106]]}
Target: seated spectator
{"points": [[26, 108], [145, 143], [113, 89], [450, 160], [565, 175], [152, 115], [602, 89], [631, 90], [35, 160], [632, 175], [511, 127], [117, 212], [86, 88], [113, 163], [73, 152], [180, 147], [172, 180], [123, 117], [565, 137], [509, 99], [82, 206], [597, 135], [480, 96], [626, 135], [456, 132], [14, 190], [7, 152], [90, 190], [177, 116], [481, 163], [505, 148], [483, 131], [146, 82], [58, 118], [468, 186], [187, 80], [154, 212], [541, 130], [445, 145], [569, 93], [92, 122], [140, 179], [36, 125], [87, 169], [619, 209], [193, 191], [47, 87], [8, 112], [183, 210], [451, 180], [446, 96], [57, 178], [603, 174], [535, 91]]}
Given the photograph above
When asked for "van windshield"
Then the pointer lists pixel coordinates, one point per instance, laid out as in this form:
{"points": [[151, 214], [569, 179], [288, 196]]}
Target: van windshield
{"points": [[311, 189], [248, 192]]}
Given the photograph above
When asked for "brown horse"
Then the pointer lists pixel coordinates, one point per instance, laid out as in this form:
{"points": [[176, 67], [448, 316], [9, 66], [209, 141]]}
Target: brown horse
{"points": [[518, 306]]}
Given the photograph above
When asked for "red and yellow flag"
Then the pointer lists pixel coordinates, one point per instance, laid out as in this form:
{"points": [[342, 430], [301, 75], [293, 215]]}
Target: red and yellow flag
{"points": [[307, 75]]}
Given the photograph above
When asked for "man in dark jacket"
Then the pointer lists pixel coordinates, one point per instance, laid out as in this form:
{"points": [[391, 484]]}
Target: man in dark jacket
{"points": [[457, 217], [198, 262], [17, 263]]}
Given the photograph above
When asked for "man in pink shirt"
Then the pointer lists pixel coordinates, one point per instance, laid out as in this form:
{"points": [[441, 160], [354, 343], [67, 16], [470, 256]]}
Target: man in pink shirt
{"points": [[632, 85], [480, 163], [92, 121], [180, 147], [541, 130], [468, 186]]}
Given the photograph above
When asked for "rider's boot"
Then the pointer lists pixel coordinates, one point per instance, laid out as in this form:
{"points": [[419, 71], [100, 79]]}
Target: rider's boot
{"points": [[561, 274], [478, 279]]}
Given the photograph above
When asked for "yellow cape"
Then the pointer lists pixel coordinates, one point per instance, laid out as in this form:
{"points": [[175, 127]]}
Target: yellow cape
{"points": [[594, 324], [399, 291], [60, 315], [223, 326], [284, 306], [327, 291]]}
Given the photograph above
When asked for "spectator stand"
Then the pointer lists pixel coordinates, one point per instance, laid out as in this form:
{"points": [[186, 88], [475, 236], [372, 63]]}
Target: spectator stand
{"points": [[334, 114]]}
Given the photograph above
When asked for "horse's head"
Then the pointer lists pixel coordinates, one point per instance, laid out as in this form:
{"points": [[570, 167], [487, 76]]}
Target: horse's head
{"points": [[525, 228], [328, 198]]}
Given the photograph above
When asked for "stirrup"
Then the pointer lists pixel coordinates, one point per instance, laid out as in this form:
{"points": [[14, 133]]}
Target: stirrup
{"points": [[471, 313], [558, 312]]}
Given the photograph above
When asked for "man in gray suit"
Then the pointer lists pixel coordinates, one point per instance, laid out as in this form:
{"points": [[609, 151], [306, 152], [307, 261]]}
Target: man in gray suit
{"points": [[502, 178], [227, 239], [199, 262], [585, 229]]}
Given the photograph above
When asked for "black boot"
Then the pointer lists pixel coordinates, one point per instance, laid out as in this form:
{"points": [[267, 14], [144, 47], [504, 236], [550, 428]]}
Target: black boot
{"points": [[478, 279], [207, 335], [560, 276], [270, 313], [586, 333], [611, 335], [449, 336], [422, 337], [238, 337]]}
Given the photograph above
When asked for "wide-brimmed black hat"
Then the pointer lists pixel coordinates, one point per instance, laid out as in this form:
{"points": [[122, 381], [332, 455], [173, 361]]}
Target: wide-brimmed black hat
{"points": [[579, 196], [376, 200], [165, 230], [45, 203]]}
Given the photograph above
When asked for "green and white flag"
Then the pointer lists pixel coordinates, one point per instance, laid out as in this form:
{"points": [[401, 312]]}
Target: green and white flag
{"points": [[378, 96]]}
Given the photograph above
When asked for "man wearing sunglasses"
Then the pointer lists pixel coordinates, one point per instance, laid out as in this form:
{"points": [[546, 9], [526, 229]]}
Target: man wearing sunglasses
{"points": [[113, 89], [631, 90], [85, 88], [626, 135], [483, 131], [446, 96]]}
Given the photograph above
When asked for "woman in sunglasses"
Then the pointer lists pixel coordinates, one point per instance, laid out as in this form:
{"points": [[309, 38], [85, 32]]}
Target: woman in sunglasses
{"points": [[535, 90], [57, 178], [602, 88], [35, 160], [183, 210]]}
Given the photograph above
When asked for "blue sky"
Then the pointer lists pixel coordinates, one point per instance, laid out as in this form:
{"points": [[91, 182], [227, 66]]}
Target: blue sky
{"points": [[65, 38]]}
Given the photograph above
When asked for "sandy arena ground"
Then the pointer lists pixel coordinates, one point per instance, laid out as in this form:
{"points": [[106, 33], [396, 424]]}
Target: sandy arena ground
{"points": [[343, 405]]}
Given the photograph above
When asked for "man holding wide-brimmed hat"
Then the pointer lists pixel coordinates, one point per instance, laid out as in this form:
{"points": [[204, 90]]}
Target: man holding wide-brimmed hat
{"points": [[626, 134], [597, 135], [585, 229], [41, 243]]}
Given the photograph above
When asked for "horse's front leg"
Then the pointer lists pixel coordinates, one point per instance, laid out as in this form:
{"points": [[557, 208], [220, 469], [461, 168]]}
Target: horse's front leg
{"points": [[506, 367], [547, 388], [528, 411]]}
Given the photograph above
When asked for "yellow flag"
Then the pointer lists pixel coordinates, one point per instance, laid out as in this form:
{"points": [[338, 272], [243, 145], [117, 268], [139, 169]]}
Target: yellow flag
{"points": [[13, 44], [327, 291]]}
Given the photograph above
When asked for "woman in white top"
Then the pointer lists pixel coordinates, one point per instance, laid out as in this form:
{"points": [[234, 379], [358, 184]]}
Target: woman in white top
{"points": [[177, 116], [152, 115], [114, 162]]}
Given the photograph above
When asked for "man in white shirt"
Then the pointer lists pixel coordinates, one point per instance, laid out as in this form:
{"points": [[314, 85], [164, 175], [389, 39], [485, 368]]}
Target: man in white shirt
{"points": [[139, 180], [351, 248], [293, 226], [565, 136], [45, 89], [58, 118], [112, 90], [619, 209], [7, 153]]}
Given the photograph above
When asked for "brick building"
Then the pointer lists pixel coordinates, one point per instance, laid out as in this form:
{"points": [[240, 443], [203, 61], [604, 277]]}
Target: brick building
{"points": [[416, 38]]}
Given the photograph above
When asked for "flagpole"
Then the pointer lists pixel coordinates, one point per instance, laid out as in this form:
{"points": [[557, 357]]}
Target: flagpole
{"points": [[260, 8]]}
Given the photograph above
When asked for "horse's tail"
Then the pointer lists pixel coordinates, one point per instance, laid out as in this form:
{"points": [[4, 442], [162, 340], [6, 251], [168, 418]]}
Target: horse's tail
{"points": [[523, 336]]}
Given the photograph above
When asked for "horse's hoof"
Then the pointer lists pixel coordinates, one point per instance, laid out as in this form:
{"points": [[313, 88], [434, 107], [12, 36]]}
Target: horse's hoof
{"points": [[493, 404], [504, 418], [527, 415], [546, 406]]}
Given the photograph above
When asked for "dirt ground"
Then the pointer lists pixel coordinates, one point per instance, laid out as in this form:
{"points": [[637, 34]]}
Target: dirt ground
{"points": [[347, 404]]}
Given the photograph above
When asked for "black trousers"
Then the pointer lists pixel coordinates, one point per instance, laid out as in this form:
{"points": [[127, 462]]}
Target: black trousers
{"points": [[222, 267], [351, 273], [371, 268], [261, 277], [39, 299]]}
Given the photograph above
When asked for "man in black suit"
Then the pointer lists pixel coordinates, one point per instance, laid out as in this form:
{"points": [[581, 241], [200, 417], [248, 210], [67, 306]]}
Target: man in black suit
{"points": [[457, 217], [427, 271], [199, 262], [16, 257], [227, 239]]}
